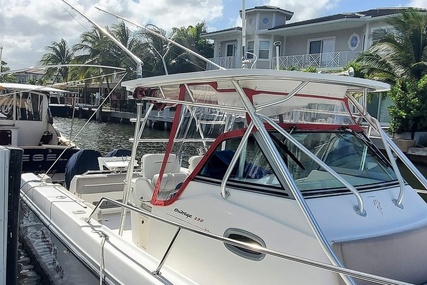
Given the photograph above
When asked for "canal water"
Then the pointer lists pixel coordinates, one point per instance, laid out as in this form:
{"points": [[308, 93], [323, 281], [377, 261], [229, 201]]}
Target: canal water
{"points": [[105, 137], [102, 136]]}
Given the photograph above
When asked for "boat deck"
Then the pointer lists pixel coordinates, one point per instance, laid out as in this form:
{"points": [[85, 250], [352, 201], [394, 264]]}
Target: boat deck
{"points": [[112, 221]]}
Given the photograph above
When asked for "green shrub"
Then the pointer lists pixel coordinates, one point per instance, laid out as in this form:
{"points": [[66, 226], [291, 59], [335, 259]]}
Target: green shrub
{"points": [[410, 104]]}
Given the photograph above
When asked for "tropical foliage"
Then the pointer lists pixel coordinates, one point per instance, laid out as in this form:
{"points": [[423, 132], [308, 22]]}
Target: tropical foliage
{"points": [[7, 77], [399, 52], [408, 114], [190, 38], [58, 53], [399, 57], [158, 55]]}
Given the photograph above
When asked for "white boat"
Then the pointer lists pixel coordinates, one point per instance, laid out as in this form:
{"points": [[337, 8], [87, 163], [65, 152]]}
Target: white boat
{"points": [[26, 122], [267, 178]]}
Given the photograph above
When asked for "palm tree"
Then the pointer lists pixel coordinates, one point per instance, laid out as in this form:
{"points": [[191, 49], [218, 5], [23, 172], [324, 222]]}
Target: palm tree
{"points": [[98, 49], [58, 53], [399, 52], [7, 77], [162, 56], [131, 42], [190, 38], [154, 51], [399, 57]]}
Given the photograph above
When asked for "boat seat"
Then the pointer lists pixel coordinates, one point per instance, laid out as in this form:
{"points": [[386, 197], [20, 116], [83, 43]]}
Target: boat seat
{"points": [[170, 181], [92, 187], [151, 164], [143, 188], [194, 161]]}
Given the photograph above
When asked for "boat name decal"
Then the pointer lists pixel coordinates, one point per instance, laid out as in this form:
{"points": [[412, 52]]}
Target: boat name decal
{"points": [[38, 157], [187, 215]]}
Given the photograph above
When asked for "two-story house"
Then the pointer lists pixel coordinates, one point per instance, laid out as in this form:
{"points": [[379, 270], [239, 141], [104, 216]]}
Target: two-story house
{"points": [[29, 75], [325, 43]]}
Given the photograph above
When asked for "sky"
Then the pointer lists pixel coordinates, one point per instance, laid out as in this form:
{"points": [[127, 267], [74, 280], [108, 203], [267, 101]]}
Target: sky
{"points": [[27, 27]]}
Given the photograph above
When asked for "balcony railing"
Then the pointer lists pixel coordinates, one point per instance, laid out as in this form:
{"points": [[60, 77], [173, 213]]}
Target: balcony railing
{"points": [[228, 62], [318, 60]]}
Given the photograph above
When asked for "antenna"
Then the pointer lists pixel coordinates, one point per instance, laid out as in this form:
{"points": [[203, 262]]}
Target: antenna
{"points": [[164, 38], [138, 61], [1, 63], [243, 34]]}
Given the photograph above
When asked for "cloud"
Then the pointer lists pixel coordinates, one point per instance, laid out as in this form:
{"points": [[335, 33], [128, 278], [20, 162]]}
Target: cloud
{"points": [[28, 26], [304, 10], [418, 3]]}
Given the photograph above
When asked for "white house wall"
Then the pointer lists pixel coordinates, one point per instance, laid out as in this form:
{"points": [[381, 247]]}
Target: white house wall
{"points": [[251, 21], [280, 20], [296, 45]]}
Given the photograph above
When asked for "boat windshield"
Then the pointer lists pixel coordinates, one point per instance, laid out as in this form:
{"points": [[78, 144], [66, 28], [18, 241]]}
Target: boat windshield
{"points": [[347, 153]]}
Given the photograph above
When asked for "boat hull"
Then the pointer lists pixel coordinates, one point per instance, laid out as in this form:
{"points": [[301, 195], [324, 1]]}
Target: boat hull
{"points": [[99, 249], [58, 262], [39, 159]]}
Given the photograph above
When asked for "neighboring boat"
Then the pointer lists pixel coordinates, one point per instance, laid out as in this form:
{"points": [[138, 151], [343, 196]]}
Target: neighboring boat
{"points": [[267, 178], [26, 122]]}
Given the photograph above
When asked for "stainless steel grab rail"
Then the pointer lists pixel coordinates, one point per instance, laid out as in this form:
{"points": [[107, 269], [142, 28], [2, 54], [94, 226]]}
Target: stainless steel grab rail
{"points": [[256, 248], [360, 208]]}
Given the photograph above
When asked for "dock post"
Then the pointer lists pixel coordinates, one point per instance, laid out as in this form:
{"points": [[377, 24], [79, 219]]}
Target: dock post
{"points": [[10, 207]]}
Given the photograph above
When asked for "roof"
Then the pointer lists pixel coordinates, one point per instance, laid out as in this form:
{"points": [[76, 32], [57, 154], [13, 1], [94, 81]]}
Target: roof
{"points": [[239, 29], [28, 87], [367, 14], [39, 71], [373, 13], [264, 79], [269, 8]]}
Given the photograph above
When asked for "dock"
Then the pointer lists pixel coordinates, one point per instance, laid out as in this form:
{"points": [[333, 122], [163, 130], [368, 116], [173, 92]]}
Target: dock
{"points": [[160, 120]]}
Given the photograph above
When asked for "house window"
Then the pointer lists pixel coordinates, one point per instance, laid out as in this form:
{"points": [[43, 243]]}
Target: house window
{"points": [[363, 42], [353, 41], [315, 47], [321, 51], [231, 49], [250, 50], [264, 49], [321, 46]]}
